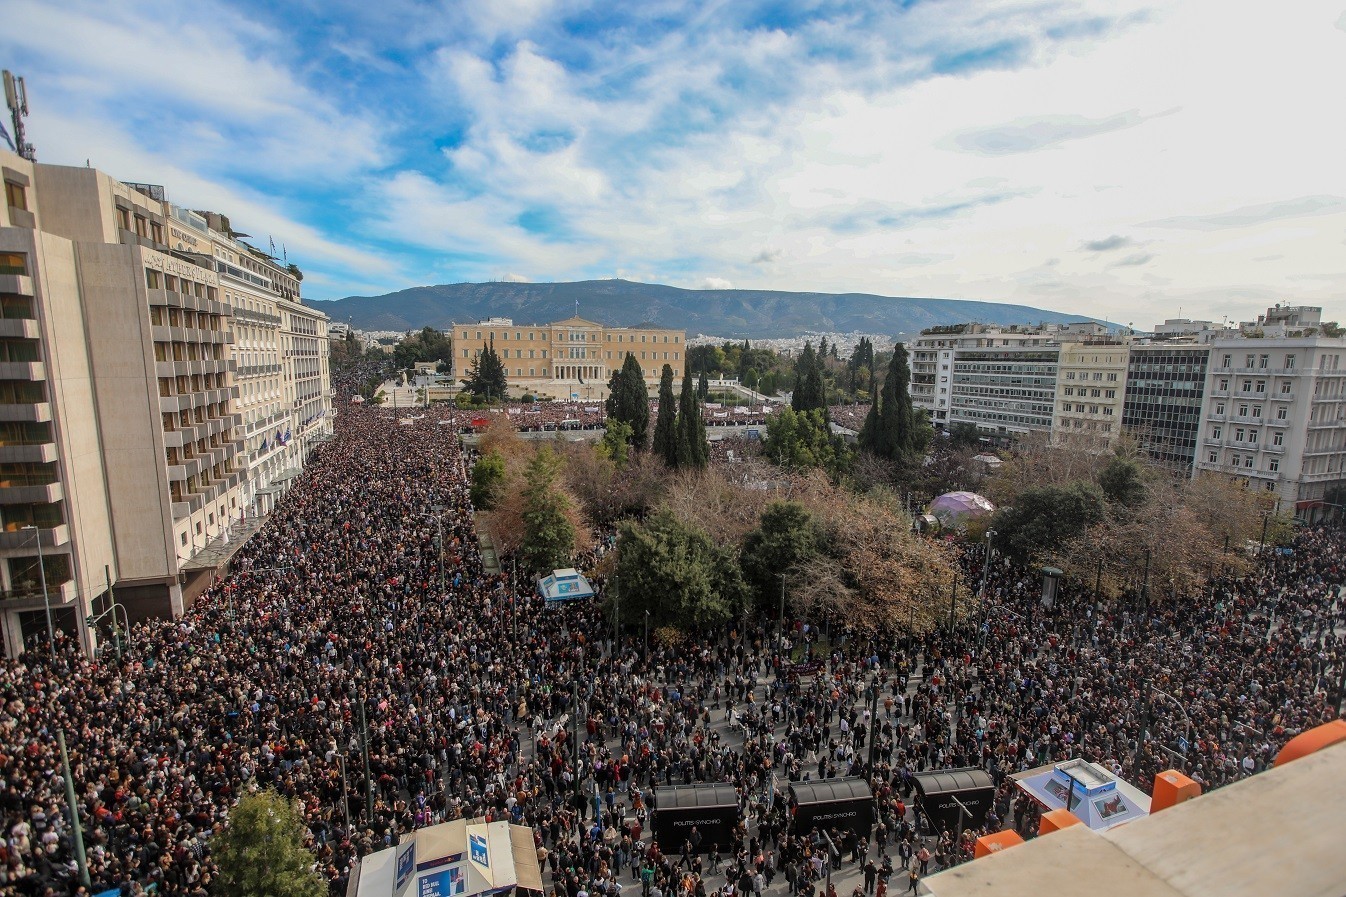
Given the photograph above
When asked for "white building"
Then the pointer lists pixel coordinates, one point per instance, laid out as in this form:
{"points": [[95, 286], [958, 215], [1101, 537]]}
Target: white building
{"points": [[1274, 412]]}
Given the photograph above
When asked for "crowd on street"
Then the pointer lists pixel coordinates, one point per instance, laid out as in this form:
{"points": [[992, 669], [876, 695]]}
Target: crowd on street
{"points": [[357, 662]]}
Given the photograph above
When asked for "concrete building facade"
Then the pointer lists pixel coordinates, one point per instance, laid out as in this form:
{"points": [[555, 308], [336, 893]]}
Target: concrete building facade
{"points": [[1275, 415], [567, 359], [1090, 388], [1165, 388], [123, 449]]}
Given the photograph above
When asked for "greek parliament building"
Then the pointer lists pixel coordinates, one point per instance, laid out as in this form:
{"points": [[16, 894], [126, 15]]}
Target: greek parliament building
{"points": [[160, 384], [567, 359]]}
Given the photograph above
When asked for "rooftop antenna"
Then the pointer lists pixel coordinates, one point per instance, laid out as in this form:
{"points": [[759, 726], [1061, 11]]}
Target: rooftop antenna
{"points": [[16, 98]]}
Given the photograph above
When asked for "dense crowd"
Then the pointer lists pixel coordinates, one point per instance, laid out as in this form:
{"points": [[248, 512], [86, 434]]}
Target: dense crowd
{"points": [[348, 630]]}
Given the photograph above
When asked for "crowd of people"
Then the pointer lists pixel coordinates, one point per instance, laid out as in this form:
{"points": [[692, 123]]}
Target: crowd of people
{"points": [[378, 675]]}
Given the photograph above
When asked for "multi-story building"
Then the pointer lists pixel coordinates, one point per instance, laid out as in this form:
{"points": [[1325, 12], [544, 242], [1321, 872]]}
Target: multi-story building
{"points": [[1090, 386], [1006, 390], [567, 359], [1165, 385], [1275, 411], [980, 394], [123, 453]]}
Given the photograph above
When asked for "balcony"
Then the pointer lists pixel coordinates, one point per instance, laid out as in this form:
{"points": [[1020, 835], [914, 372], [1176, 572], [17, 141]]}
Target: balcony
{"points": [[23, 370], [34, 453], [14, 536], [29, 596], [35, 412], [19, 328], [21, 491], [18, 284]]}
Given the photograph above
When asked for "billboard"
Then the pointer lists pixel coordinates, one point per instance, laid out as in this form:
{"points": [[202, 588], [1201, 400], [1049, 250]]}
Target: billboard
{"points": [[405, 867], [448, 882], [477, 850]]}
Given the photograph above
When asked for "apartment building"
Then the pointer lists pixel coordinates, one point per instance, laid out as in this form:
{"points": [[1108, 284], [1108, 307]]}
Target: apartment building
{"points": [[1091, 386], [975, 373], [1274, 413], [566, 359], [123, 451]]}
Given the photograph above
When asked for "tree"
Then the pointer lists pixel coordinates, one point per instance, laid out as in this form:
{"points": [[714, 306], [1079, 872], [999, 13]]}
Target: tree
{"points": [[616, 442], [261, 853], [1044, 518], [788, 540], [675, 572], [703, 388], [488, 479], [548, 534], [690, 450], [486, 379], [802, 440], [629, 401], [809, 393], [890, 428], [665, 425], [1123, 482]]}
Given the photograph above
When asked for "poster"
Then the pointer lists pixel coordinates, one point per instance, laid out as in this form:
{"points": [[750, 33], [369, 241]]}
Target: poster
{"points": [[477, 851], [446, 883], [406, 867]]}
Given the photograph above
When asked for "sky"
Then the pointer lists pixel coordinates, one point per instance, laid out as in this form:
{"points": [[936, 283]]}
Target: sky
{"points": [[1127, 160]]}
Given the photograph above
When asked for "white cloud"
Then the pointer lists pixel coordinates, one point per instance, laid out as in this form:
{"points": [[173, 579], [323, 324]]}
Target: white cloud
{"points": [[514, 278], [715, 283]]}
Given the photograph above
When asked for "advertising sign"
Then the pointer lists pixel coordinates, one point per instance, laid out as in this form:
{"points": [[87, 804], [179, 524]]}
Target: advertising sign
{"points": [[406, 867], [446, 883], [477, 850]]}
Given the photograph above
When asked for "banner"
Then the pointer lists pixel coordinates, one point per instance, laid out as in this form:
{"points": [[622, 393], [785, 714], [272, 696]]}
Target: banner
{"points": [[448, 883], [477, 850]]}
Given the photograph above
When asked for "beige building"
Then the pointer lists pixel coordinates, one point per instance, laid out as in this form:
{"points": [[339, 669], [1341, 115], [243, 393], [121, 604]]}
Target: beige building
{"points": [[1090, 391], [123, 449], [567, 359]]}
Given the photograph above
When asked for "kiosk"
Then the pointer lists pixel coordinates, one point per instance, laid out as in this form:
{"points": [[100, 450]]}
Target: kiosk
{"points": [[939, 792], [711, 809], [846, 803]]}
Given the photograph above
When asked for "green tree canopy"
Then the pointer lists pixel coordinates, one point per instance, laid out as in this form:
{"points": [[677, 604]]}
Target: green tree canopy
{"points": [[1123, 482], [666, 424], [261, 853], [702, 388], [548, 535], [802, 439], [1042, 519], [486, 378], [616, 442], [787, 539], [809, 393], [488, 480], [676, 572], [629, 401]]}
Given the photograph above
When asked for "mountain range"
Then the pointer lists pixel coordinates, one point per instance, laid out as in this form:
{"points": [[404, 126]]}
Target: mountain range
{"points": [[757, 314]]}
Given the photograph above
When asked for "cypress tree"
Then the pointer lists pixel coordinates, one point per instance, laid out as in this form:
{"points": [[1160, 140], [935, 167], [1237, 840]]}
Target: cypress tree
{"points": [[666, 425], [889, 429], [703, 388], [629, 401], [684, 454]]}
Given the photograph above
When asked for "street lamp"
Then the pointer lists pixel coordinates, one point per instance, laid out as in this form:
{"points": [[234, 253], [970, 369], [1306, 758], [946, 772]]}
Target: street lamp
{"points": [[46, 597], [986, 567]]}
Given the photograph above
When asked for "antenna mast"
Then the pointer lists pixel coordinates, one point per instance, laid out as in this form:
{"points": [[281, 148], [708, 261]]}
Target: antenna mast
{"points": [[16, 98]]}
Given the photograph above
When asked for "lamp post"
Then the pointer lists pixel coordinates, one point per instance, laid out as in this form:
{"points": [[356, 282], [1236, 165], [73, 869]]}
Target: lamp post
{"points": [[1262, 542], [439, 524], [73, 802], [46, 596], [1145, 581], [780, 636], [986, 566], [953, 601]]}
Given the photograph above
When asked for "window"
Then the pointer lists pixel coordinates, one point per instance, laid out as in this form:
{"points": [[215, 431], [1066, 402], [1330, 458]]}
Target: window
{"points": [[1248, 360], [1224, 384], [1278, 438], [1228, 361], [1070, 375], [1095, 393], [1219, 409], [1281, 413], [1069, 390], [1261, 386], [1289, 362], [1110, 394], [1238, 435], [152, 279], [1285, 387], [1248, 461], [1262, 360], [16, 196], [13, 263]]}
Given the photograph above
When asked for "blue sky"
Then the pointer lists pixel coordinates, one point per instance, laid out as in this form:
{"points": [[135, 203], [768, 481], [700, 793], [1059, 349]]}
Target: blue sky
{"points": [[1121, 159]]}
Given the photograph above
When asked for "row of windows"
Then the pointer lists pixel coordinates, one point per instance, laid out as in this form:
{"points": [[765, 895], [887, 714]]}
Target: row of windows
{"points": [[1093, 409], [574, 336], [1097, 376], [157, 280], [577, 354], [1247, 461], [1095, 393]]}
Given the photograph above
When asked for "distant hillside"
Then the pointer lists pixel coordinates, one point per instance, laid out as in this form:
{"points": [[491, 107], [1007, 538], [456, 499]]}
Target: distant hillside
{"points": [[756, 314]]}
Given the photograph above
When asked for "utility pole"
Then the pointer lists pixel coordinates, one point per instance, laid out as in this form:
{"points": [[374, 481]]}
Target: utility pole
{"points": [[953, 601], [76, 830], [364, 750], [780, 639], [1262, 542], [986, 566], [42, 571]]}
